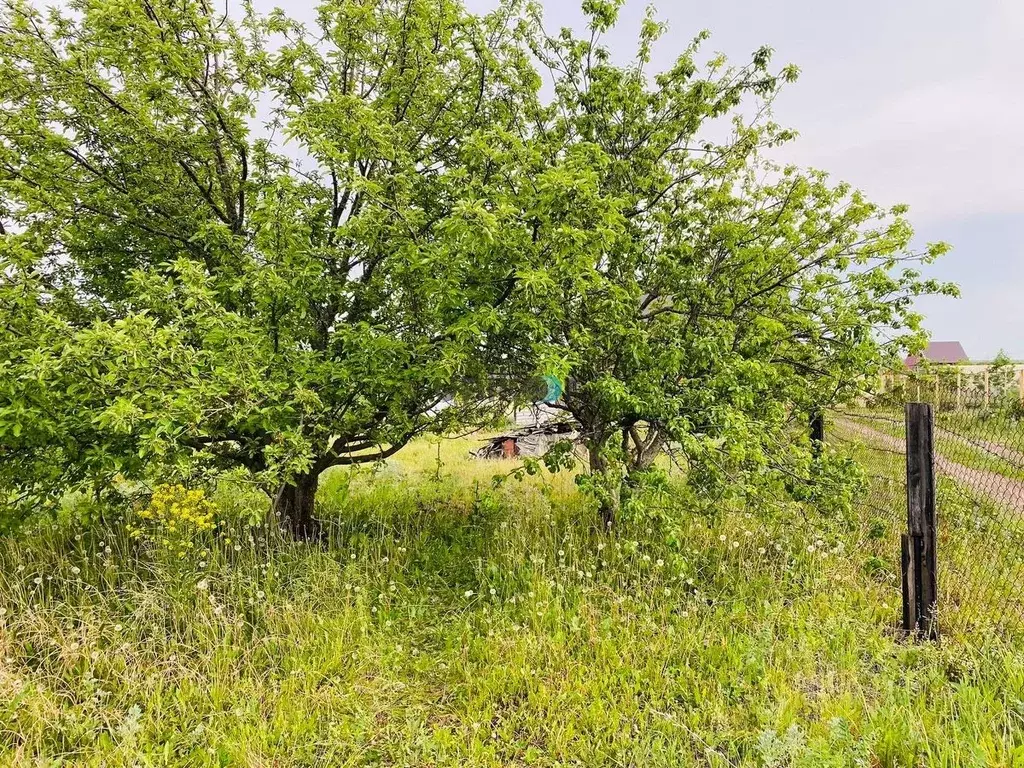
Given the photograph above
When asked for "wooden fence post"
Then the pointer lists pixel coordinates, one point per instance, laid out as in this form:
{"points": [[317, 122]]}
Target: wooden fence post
{"points": [[920, 595], [1020, 383], [959, 393], [909, 585]]}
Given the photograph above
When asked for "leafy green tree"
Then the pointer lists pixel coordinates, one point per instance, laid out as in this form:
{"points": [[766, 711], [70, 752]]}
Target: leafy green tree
{"points": [[217, 252], [730, 297]]}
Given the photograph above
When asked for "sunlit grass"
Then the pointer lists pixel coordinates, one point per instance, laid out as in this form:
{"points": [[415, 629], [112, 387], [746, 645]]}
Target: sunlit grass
{"points": [[451, 623]]}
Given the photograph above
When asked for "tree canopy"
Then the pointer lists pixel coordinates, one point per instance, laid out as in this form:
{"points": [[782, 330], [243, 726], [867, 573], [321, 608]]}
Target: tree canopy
{"points": [[248, 243], [219, 251], [734, 296]]}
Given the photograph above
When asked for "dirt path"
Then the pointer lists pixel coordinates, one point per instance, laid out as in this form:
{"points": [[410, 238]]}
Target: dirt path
{"points": [[1014, 457], [1005, 491]]}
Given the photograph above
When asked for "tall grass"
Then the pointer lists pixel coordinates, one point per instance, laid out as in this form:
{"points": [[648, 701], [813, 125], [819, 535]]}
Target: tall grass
{"points": [[450, 623]]}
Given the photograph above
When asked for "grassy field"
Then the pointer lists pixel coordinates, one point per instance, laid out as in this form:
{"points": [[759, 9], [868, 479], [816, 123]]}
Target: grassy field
{"points": [[449, 623]]}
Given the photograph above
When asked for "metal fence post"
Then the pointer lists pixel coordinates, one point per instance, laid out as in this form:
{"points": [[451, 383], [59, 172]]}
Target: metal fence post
{"points": [[920, 596]]}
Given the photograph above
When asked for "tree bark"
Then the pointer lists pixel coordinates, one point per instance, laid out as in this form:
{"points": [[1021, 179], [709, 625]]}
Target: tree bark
{"points": [[609, 487], [294, 507]]}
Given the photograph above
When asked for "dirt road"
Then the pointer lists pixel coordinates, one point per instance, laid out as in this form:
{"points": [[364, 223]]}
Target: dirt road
{"points": [[1005, 491], [997, 449]]}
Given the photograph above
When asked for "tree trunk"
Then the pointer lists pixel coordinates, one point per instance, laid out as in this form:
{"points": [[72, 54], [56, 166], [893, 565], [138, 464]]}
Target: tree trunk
{"points": [[294, 507], [609, 487]]}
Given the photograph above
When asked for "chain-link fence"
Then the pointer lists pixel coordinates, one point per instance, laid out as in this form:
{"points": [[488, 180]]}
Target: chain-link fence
{"points": [[976, 450]]}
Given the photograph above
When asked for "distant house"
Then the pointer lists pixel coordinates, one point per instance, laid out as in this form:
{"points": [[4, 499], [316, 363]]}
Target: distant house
{"points": [[941, 353]]}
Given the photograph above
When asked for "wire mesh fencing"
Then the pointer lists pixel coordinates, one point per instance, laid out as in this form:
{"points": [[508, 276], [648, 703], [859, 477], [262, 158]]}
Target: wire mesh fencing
{"points": [[977, 456]]}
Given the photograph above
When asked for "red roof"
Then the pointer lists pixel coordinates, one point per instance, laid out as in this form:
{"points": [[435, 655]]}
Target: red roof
{"points": [[940, 352]]}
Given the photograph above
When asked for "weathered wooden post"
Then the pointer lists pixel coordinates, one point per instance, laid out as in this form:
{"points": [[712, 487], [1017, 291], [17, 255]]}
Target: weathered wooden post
{"points": [[920, 594], [1020, 384], [959, 393]]}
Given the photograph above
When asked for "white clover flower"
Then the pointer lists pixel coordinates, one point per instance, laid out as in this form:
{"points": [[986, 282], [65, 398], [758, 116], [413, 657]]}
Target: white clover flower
{"points": [[38, 580], [260, 594], [722, 537], [659, 562], [238, 547], [735, 545], [468, 593], [76, 570], [493, 591], [118, 627], [203, 584], [762, 551]]}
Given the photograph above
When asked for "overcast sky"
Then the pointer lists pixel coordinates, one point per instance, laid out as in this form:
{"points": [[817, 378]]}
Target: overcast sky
{"points": [[915, 101]]}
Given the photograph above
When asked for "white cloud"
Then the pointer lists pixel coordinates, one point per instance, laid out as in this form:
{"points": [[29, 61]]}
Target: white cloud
{"points": [[949, 148]]}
